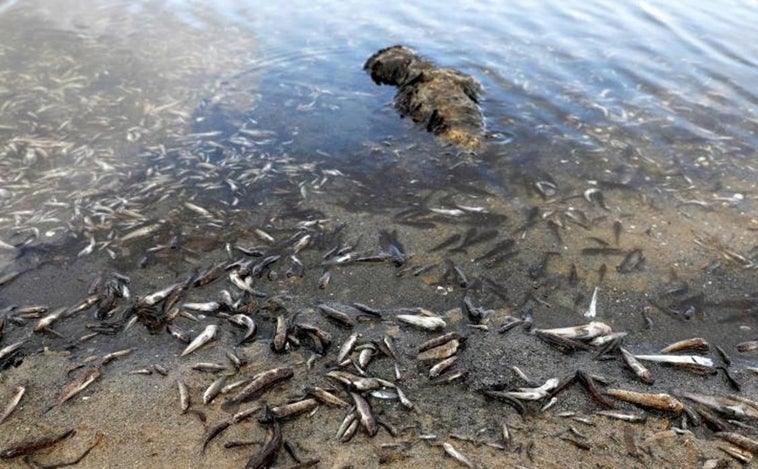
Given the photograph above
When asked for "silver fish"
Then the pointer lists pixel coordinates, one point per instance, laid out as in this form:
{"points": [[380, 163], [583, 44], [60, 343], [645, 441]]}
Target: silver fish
{"points": [[19, 393], [457, 455], [429, 323], [213, 390], [245, 321], [206, 336], [583, 332], [184, 397]]}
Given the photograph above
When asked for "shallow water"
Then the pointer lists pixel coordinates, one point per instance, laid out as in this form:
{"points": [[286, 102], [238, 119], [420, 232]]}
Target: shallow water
{"points": [[153, 138]]}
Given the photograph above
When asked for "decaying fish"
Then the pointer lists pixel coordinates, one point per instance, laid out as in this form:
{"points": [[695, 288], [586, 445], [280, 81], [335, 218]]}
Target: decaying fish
{"points": [[366, 416], [260, 382], [440, 352], [79, 385], [429, 323], [208, 334], [583, 332], [17, 395], [694, 360], [661, 401], [245, 321], [696, 344], [457, 455], [268, 452], [638, 368], [30, 446], [184, 396]]}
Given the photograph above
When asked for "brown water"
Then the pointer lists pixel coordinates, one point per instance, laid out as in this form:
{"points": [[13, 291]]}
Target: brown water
{"points": [[201, 124]]}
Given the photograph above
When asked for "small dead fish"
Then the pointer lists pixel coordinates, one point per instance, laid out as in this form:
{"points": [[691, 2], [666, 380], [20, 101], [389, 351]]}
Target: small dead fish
{"points": [[696, 344], [661, 401], [114, 355], [288, 411], [206, 336], [364, 411], [140, 232], [440, 352], [592, 310], [325, 396], [245, 321], [534, 394], [184, 397], [749, 346], [347, 347], [154, 298], [429, 323], [213, 432], [442, 366], [10, 349], [214, 390], [261, 382], [583, 332], [29, 446], [280, 335], [79, 385], [742, 441], [18, 394], [632, 417], [340, 317], [638, 368], [457, 455], [207, 307], [48, 320], [678, 360]]}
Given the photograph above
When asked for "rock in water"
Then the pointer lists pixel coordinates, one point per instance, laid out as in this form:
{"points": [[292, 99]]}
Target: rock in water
{"points": [[443, 100]]}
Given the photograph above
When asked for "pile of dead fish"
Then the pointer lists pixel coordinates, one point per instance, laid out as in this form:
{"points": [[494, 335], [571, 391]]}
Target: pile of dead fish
{"points": [[348, 383]]}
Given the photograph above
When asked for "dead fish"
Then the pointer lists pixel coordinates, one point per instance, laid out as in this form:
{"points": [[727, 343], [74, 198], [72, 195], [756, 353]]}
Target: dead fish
{"points": [[442, 366], [340, 317], [661, 401], [261, 382], [742, 441], [184, 397], [154, 298], [268, 452], [245, 321], [325, 396], [48, 320], [457, 455], [213, 432], [10, 349], [79, 385], [288, 411], [115, 355], [638, 368], [429, 323], [207, 307], [245, 414], [534, 394], [592, 310], [347, 347], [583, 332], [206, 336], [31, 446], [748, 346], [280, 335], [213, 390], [440, 352], [696, 344], [364, 411], [18, 394], [440, 340], [632, 417], [141, 232], [678, 360]]}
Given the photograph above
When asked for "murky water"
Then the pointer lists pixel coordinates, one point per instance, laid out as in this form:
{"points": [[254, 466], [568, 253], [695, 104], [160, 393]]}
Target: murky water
{"points": [[158, 139]]}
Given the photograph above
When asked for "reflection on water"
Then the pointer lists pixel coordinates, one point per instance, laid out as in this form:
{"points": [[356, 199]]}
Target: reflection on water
{"points": [[155, 138]]}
